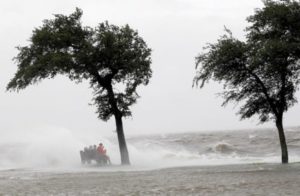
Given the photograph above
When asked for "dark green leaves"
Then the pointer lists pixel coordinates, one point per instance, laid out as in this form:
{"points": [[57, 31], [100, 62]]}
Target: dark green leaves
{"points": [[108, 56], [262, 73]]}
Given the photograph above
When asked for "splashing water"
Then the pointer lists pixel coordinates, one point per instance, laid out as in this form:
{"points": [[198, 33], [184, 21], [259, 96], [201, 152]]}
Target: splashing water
{"points": [[59, 148]]}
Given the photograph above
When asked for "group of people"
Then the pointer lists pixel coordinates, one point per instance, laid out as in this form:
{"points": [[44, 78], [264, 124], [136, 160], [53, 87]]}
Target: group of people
{"points": [[94, 153]]}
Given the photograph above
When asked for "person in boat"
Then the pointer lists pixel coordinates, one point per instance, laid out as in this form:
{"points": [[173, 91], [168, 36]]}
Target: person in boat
{"points": [[102, 151], [94, 152]]}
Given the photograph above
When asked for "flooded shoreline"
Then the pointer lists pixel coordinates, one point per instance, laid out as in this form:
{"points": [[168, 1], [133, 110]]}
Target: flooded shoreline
{"points": [[241, 179], [219, 163]]}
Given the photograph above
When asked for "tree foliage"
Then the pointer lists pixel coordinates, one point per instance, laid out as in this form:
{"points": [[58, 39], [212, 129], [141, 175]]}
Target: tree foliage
{"points": [[261, 72], [107, 56]]}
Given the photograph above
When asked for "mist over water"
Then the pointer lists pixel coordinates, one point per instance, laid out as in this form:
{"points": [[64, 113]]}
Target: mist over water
{"points": [[214, 148], [39, 148], [58, 148]]}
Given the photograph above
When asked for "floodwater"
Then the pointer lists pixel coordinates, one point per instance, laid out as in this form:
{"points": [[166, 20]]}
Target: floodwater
{"points": [[246, 179], [245, 162]]}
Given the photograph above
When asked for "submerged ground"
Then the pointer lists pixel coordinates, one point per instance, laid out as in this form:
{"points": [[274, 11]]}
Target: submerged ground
{"points": [[245, 162], [247, 179]]}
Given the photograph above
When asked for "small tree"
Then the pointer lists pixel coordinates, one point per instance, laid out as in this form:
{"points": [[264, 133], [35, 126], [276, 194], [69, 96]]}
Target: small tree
{"points": [[262, 73], [108, 56]]}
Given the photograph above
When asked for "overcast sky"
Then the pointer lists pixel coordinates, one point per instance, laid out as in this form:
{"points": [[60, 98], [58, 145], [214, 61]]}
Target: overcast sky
{"points": [[176, 30]]}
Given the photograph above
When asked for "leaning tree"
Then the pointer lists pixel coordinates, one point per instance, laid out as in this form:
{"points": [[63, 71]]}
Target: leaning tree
{"points": [[115, 60], [262, 72]]}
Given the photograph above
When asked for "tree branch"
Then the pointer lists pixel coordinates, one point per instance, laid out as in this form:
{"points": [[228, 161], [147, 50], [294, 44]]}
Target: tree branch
{"points": [[265, 91]]}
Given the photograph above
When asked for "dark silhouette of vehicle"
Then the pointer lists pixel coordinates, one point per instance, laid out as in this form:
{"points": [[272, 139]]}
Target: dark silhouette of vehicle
{"points": [[90, 155]]}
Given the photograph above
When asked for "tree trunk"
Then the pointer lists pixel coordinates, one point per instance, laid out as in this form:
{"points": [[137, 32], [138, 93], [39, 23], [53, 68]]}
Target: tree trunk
{"points": [[119, 124], [284, 150], [107, 84], [122, 141]]}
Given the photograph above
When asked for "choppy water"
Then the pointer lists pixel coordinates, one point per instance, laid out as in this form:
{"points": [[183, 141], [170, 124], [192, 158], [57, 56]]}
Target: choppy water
{"points": [[60, 149], [215, 148], [245, 162]]}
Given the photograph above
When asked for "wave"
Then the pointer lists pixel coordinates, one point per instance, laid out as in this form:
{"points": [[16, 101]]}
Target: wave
{"points": [[222, 147], [59, 148]]}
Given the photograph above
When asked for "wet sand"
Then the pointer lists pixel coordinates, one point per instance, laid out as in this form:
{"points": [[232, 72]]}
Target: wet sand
{"points": [[250, 179]]}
